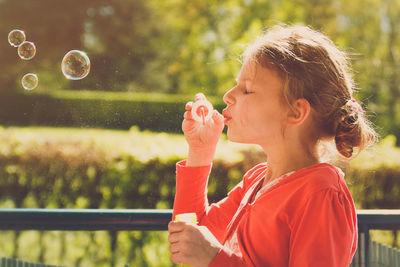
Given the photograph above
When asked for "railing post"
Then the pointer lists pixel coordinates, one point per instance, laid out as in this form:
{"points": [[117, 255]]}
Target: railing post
{"points": [[365, 231]]}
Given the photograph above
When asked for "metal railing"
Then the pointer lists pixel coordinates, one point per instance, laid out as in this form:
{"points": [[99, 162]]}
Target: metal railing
{"points": [[156, 219], [375, 220], [84, 219]]}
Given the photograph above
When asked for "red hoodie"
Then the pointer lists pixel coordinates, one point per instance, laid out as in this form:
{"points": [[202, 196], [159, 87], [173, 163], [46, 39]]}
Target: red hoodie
{"points": [[305, 218]]}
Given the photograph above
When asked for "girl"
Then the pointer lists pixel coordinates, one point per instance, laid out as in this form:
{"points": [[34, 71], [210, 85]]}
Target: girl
{"points": [[293, 92]]}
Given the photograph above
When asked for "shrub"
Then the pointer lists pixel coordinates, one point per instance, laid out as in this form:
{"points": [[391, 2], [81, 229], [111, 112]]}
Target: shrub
{"points": [[155, 112], [374, 176]]}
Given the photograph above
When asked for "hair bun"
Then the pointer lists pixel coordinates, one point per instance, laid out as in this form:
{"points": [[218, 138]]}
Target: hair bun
{"points": [[349, 128]]}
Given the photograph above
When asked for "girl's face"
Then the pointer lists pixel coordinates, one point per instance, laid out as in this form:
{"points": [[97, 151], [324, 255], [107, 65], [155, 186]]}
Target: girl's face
{"points": [[255, 113]]}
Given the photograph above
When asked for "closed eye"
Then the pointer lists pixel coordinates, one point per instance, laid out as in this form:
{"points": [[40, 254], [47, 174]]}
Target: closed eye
{"points": [[247, 91], [243, 89]]}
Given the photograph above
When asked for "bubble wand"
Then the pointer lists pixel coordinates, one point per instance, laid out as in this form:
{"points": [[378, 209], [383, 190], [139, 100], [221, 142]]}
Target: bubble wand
{"points": [[202, 111]]}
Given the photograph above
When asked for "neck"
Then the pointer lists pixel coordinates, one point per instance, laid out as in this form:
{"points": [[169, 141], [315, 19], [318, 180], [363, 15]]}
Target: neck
{"points": [[287, 160]]}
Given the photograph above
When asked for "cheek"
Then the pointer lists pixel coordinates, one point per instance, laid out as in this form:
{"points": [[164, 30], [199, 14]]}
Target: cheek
{"points": [[247, 114], [267, 121], [259, 117], [252, 114]]}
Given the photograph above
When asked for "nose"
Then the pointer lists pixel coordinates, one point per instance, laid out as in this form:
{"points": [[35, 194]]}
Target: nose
{"points": [[228, 97]]}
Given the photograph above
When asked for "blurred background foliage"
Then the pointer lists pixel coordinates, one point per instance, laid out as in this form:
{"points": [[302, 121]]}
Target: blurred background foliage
{"points": [[148, 58], [183, 47]]}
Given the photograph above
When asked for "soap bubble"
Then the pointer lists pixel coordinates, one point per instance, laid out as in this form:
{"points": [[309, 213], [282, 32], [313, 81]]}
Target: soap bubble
{"points": [[27, 50], [16, 37], [30, 81], [75, 65]]}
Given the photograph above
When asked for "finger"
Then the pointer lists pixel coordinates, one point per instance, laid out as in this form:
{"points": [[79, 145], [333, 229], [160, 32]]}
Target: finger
{"points": [[174, 226], [217, 117], [188, 126], [188, 115], [173, 238], [174, 248], [199, 96], [189, 105]]}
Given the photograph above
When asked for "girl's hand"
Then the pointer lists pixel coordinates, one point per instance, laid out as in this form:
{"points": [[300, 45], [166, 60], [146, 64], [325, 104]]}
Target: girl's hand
{"points": [[202, 139], [192, 244]]}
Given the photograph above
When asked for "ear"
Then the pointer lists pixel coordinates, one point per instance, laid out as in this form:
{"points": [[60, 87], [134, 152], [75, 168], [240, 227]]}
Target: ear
{"points": [[299, 112]]}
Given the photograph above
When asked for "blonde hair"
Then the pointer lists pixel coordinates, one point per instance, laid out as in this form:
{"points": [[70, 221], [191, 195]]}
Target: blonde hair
{"points": [[313, 68]]}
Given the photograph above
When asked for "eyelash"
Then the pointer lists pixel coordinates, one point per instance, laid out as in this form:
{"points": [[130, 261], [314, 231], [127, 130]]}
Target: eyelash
{"points": [[246, 92]]}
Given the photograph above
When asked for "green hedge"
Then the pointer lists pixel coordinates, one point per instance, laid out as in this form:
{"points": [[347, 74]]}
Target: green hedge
{"points": [[374, 176], [155, 112], [108, 168], [93, 168], [96, 168]]}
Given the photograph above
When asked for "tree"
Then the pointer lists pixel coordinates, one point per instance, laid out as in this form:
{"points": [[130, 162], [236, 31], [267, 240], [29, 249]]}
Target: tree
{"points": [[119, 36]]}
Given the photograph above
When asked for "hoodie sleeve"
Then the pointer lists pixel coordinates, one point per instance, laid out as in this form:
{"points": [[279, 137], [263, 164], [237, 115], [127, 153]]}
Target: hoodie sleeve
{"points": [[191, 196]]}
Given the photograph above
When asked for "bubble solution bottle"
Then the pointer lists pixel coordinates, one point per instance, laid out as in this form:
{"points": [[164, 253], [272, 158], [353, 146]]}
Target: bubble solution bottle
{"points": [[188, 218]]}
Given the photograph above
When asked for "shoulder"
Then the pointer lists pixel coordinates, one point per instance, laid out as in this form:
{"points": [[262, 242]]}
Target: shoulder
{"points": [[321, 186], [321, 177], [321, 192]]}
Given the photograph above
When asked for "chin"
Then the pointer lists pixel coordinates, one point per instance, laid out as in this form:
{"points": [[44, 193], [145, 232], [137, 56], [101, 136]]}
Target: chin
{"points": [[242, 138]]}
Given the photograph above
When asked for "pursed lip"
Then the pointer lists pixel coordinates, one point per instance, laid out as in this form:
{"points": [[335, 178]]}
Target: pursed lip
{"points": [[226, 116]]}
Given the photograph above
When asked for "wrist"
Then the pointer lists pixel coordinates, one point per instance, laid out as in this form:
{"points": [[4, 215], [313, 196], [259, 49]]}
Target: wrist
{"points": [[200, 157]]}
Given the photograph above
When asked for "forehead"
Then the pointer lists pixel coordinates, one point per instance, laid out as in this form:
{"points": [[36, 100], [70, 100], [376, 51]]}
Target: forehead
{"points": [[248, 71], [259, 75]]}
